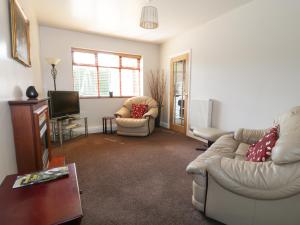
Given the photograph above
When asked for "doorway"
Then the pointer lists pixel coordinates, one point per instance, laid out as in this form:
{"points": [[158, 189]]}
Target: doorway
{"points": [[179, 93]]}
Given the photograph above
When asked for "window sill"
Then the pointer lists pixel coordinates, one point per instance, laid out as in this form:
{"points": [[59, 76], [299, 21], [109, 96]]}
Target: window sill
{"points": [[104, 97]]}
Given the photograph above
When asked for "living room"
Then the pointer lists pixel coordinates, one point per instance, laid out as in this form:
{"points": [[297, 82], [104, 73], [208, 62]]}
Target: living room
{"points": [[241, 65]]}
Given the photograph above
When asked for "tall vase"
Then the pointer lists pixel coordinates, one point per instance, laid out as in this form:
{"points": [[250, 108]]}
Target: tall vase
{"points": [[157, 119]]}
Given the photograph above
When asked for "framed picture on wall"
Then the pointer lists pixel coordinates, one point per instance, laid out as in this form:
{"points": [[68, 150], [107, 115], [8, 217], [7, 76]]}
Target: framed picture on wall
{"points": [[20, 34]]}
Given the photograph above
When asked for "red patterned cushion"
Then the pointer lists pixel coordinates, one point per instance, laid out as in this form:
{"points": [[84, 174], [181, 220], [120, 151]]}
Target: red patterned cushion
{"points": [[138, 110], [261, 151]]}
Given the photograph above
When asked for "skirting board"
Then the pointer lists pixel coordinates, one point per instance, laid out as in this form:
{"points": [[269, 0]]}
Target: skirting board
{"points": [[95, 129], [164, 124], [99, 129], [188, 133]]}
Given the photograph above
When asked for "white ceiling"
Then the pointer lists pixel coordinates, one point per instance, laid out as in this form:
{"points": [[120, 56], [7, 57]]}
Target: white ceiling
{"points": [[120, 18]]}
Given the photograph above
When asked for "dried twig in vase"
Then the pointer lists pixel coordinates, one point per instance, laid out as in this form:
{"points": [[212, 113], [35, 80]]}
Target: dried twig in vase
{"points": [[157, 86]]}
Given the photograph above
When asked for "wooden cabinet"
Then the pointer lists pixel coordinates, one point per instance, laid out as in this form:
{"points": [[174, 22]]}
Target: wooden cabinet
{"points": [[30, 119]]}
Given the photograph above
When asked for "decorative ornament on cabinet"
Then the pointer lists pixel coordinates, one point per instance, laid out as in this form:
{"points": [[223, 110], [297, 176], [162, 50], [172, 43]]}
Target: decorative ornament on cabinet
{"points": [[31, 93]]}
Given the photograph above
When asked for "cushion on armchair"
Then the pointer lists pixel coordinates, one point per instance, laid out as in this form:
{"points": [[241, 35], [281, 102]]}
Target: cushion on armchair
{"points": [[138, 110]]}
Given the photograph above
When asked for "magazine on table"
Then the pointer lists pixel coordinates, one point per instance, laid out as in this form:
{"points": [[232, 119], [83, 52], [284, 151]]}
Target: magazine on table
{"points": [[40, 177]]}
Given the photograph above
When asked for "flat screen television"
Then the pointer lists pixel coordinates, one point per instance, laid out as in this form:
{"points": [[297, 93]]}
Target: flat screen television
{"points": [[63, 103]]}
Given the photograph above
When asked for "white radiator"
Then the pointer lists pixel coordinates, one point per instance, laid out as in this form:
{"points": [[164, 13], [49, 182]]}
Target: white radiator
{"points": [[201, 113]]}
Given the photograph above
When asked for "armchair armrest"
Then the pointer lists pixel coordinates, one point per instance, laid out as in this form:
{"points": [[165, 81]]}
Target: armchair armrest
{"points": [[153, 112], [263, 180], [249, 136], [123, 113]]}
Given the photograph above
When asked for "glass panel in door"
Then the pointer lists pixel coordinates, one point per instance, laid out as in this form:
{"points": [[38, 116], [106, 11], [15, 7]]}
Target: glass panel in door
{"points": [[178, 96]]}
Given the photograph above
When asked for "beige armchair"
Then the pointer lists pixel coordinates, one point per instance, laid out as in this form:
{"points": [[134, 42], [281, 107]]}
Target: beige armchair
{"points": [[232, 190], [136, 127]]}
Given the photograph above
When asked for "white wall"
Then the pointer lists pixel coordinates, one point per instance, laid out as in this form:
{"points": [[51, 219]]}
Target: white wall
{"points": [[14, 79], [58, 43], [248, 60]]}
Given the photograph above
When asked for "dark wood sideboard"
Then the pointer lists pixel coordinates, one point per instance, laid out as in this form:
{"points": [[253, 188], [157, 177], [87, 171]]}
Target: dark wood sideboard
{"points": [[30, 119]]}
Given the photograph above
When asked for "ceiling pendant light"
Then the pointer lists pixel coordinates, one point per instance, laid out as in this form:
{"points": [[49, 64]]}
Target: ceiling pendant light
{"points": [[149, 17]]}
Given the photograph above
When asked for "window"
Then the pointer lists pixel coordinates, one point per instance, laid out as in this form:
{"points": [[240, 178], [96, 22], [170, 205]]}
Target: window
{"points": [[97, 73]]}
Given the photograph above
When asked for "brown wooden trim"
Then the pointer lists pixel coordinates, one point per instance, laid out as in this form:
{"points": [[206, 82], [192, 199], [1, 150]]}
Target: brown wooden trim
{"points": [[38, 142], [73, 71], [120, 75], [121, 67], [139, 76], [107, 67], [180, 58], [49, 136], [41, 109], [27, 101], [98, 74], [87, 65], [106, 52], [96, 97]]}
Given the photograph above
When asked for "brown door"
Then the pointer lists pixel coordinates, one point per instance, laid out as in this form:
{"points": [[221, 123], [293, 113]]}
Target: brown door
{"points": [[179, 93]]}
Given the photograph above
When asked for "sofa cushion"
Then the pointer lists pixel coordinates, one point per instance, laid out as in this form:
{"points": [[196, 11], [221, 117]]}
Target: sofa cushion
{"points": [[261, 151], [131, 122], [287, 148], [138, 110], [241, 151], [264, 180]]}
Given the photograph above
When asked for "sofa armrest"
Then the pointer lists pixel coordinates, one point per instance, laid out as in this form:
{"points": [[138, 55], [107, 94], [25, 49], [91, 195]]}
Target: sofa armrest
{"points": [[225, 146], [123, 113], [198, 166], [153, 112], [263, 180], [249, 136]]}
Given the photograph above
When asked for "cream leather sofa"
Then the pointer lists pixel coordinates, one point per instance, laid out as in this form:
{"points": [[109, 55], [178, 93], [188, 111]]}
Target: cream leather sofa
{"points": [[136, 127], [238, 192]]}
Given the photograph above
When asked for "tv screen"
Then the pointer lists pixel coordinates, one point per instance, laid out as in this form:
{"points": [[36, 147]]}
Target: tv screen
{"points": [[63, 103]]}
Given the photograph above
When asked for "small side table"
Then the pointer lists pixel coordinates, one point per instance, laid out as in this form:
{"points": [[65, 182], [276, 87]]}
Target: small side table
{"points": [[104, 123]]}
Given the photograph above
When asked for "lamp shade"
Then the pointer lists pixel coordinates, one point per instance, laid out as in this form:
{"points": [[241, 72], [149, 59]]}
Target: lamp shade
{"points": [[53, 61], [149, 17]]}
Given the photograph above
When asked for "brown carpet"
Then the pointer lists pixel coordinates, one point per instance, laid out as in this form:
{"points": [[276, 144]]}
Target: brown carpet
{"points": [[135, 180]]}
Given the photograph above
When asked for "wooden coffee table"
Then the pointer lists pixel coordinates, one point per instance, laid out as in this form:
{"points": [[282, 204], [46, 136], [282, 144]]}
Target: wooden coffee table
{"points": [[54, 202]]}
